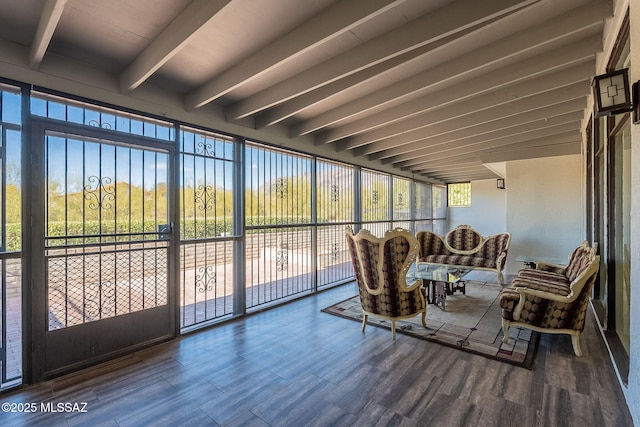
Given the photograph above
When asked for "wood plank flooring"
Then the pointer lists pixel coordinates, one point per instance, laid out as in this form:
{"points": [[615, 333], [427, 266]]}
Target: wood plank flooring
{"points": [[296, 366]]}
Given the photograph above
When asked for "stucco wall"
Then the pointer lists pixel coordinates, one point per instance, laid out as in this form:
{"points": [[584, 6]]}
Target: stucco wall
{"points": [[545, 207], [487, 213], [632, 391]]}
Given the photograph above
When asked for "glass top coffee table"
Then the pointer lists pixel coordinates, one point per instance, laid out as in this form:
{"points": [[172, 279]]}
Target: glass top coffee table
{"points": [[439, 280]]}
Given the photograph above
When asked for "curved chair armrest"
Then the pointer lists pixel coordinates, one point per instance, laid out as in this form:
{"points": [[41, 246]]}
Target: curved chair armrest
{"points": [[547, 266], [409, 287], [517, 310], [502, 257], [546, 295]]}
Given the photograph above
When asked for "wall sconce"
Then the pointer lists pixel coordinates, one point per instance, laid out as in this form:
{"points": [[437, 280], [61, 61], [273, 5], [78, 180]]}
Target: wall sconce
{"points": [[636, 103], [500, 183], [611, 93]]}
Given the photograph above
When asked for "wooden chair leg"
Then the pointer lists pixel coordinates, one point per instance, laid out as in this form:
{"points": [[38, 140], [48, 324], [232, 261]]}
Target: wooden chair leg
{"points": [[393, 329], [505, 331], [424, 318], [364, 321], [575, 340]]}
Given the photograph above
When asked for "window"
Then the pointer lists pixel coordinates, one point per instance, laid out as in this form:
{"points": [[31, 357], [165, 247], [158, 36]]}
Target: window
{"points": [[69, 110], [459, 194], [374, 197]]}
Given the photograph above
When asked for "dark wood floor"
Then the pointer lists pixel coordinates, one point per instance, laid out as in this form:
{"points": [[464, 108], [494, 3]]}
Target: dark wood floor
{"points": [[296, 366]]}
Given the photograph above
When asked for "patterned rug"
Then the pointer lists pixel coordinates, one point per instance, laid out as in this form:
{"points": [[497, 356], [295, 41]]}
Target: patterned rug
{"points": [[471, 322]]}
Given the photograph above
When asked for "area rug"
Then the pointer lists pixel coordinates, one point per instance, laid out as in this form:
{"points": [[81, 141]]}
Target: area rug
{"points": [[470, 322]]}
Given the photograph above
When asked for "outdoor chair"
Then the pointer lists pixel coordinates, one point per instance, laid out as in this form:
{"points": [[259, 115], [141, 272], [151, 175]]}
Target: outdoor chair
{"points": [[381, 266]]}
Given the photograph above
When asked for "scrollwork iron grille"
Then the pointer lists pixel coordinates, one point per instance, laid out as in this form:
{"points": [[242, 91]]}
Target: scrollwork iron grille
{"points": [[98, 283], [207, 168], [279, 237], [106, 207], [98, 124], [85, 113], [375, 196], [335, 251], [282, 259], [206, 281], [278, 264], [99, 193], [206, 187], [334, 192], [401, 204], [205, 198], [205, 147], [423, 206], [280, 188], [334, 263], [206, 278], [335, 195]]}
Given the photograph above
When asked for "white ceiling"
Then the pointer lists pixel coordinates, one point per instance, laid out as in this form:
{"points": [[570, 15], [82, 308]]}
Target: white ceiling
{"points": [[436, 88]]}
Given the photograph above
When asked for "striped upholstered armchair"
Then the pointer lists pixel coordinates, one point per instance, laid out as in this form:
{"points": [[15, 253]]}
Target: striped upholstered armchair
{"points": [[381, 266], [552, 298]]}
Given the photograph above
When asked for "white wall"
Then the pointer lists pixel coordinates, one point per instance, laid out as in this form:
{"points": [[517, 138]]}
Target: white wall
{"points": [[632, 391], [545, 207], [487, 213]]}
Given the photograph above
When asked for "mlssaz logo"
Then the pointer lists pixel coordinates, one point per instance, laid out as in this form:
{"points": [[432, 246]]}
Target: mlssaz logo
{"points": [[63, 407]]}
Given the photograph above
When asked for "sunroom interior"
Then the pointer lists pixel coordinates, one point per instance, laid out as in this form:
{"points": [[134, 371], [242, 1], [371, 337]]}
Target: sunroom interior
{"points": [[170, 166]]}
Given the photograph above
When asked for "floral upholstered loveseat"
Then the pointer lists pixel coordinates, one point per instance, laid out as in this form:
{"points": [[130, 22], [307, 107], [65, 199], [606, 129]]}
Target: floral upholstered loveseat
{"points": [[552, 298], [465, 247]]}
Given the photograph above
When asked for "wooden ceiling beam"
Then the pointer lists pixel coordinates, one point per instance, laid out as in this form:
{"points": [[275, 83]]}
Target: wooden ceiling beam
{"points": [[583, 23], [443, 22], [170, 41], [566, 111], [460, 149], [49, 18], [503, 87], [330, 23]]}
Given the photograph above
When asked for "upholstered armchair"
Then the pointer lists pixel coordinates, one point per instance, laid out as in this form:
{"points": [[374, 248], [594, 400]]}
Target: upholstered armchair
{"points": [[552, 299], [381, 266]]}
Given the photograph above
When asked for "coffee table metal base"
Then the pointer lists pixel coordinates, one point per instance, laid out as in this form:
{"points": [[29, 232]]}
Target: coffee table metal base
{"points": [[438, 291], [440, 280]]}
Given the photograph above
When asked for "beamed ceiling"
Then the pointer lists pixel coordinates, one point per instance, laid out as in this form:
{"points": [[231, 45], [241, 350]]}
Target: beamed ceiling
{"points": [[435, 88]]}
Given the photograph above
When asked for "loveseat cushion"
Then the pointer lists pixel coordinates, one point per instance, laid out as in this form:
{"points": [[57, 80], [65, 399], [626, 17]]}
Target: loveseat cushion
{"points": [[464, 238], [431, 243], [509, 297], [529, 273], [462, 260]]}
